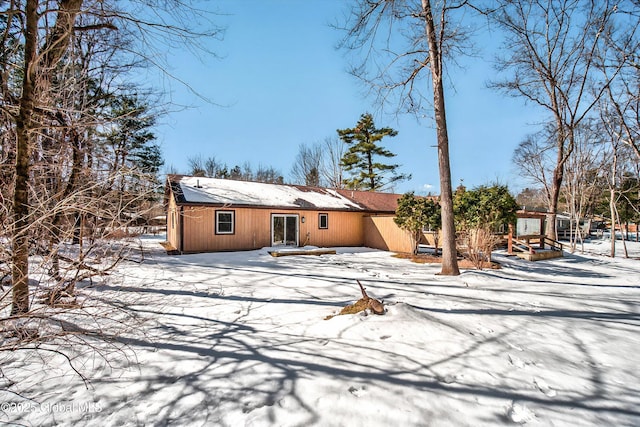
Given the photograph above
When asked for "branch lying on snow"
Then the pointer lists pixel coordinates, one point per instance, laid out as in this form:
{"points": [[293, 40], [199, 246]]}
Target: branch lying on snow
{"points": [[364, 303], [67, 289], [373, 304]]}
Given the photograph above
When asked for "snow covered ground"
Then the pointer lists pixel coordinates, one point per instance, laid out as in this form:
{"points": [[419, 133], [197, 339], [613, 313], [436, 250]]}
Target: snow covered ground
{"points": [[235, 339]]}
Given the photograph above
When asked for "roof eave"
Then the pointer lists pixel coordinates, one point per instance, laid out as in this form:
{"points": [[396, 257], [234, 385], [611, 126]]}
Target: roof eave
{"points": [[243, 206]]}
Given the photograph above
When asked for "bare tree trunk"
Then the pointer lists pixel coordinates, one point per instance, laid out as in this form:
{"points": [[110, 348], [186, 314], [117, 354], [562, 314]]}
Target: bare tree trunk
{"points": [[57, 232], [35, 71], [20, 250], [558, 173], [612, 210], [626, 230], [449, 252], [624, 240]]}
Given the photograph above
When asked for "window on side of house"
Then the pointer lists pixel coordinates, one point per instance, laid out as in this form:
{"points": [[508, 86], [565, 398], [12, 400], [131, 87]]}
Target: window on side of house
{"points": [[323, 220], [225, 222]]}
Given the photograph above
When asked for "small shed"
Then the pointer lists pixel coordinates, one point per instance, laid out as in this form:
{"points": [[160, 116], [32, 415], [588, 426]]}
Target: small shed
{"points": [[528, 241]]}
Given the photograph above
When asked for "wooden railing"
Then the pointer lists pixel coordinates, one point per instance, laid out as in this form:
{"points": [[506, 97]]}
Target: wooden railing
{"points": [[530, 244], [520, 246], [553, 244]]}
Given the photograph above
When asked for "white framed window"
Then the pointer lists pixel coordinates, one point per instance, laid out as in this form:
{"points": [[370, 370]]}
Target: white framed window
{"points": [[284, 229], [323, 220], [225, 222]]}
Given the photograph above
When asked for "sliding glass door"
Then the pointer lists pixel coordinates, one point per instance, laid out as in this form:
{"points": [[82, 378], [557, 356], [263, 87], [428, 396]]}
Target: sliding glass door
{"points": [[284, 230]]}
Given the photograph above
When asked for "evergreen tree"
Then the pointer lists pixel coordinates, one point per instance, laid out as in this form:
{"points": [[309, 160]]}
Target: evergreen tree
{"points": [[490, 207], [480, 215], [414, 214], [129, 149], [367, 173]]}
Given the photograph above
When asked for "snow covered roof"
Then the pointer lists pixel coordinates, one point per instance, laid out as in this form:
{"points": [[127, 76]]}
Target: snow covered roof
{"points": [[188, 189]]}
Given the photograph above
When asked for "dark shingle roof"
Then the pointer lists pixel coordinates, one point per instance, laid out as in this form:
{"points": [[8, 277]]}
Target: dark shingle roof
{"points": [[373, 201]]}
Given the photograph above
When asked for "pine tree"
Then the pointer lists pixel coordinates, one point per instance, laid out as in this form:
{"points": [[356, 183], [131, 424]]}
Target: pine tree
{"points": [[133, 155], [367, 173]]}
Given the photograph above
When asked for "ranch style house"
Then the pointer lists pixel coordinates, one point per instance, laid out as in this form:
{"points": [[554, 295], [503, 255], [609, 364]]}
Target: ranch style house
{"points": [[210, 215]]}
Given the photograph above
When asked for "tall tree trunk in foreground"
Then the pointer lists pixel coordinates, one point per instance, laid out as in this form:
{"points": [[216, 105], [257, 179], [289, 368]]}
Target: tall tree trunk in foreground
{"points": [[20, 250], [449, 252], [37, 70]]}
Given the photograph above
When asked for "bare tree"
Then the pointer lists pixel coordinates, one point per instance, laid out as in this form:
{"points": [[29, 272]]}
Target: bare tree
{"points": [[307, 165], [268, 174], [620, 161], [209, 167], [623, 95], [331, 170], [531, 198], [583, 179], [402, 41], [43, 108], [618, 110], [38, 67], [196, 166], [613, 180], [552, 48], [533, 159]]}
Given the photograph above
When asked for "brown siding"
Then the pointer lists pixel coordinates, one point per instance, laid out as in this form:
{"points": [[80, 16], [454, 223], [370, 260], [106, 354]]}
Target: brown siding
{"points": [[173, 223], [381, 232], [345, 229], [253, 229]]}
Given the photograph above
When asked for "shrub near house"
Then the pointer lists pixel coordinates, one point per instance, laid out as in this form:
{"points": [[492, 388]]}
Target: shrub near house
{"points": [[480, 214], [417, 214]]}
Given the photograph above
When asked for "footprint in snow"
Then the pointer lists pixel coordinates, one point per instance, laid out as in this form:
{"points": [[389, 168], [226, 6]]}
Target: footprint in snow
{"points": [[357, 392], [519, 413], [544, 387], [516, 361]]}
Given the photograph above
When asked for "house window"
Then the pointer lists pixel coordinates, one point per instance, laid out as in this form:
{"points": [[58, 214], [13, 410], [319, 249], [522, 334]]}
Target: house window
{"points": [[173, 220], [323, 220], [225, 222]]}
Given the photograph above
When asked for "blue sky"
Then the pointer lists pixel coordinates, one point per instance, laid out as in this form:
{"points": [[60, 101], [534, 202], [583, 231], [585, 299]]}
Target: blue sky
{"points": [[280, 82]]}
